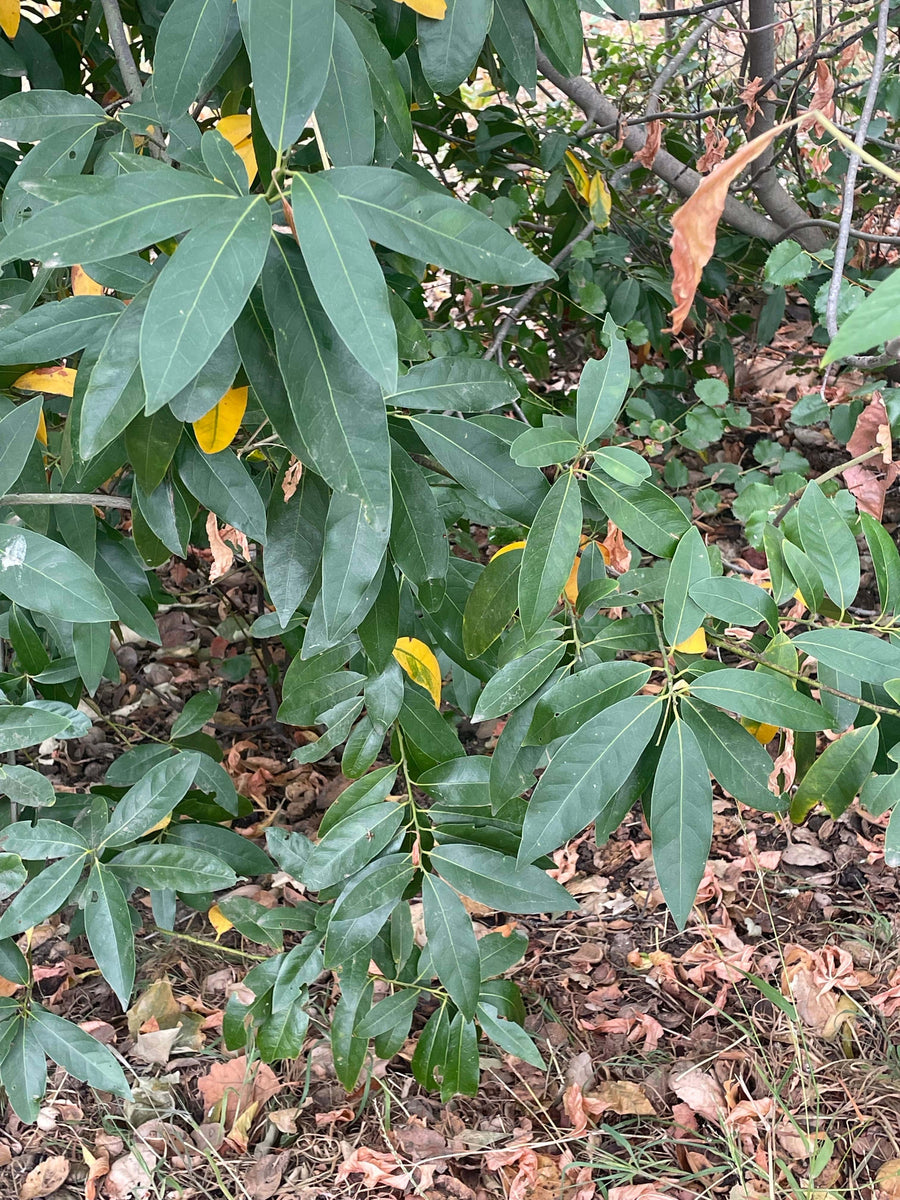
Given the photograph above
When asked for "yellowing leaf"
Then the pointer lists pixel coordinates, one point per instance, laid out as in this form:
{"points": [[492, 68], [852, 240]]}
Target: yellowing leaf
{"points": [[760, 730], [166, 821], [798, 595], [219, 921], [420, 664], [236, 130], [436, 9], [83, 285], [41, 434], [9, 17], [571, 589], [56, 381], [578, 175], [695, 644], [599, 201], [511, 546], [217, 429]]}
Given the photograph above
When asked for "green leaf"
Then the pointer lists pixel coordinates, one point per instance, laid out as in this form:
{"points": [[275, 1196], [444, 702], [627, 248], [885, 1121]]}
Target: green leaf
{"points": [[518, 680], [182, 868], [17, 430], [191, 36], [552, 443], [107, 922], [480, 460], [91, 645], [886, 563], [389, 1013], [336, 404], [387, 91], [513, 39], [223, 162], [559, 26], [494, 879], [449, 48], [223, 485], [282, 1035], [198, 710], [125, 213], [603, 386], [808, 579], [787, 263], [419, 541], [735, 600], [681, 819], [873, 321], [509, 1036], [200, 293], [57, 329], [78, 1053], [344, 111], [451, 939], [761, 696], [412, 218], [150, 800], [431, 1049], [289, 43], [45, 894], [466, 385], [348, 1050], [622, 464], [682, 616], [23, 1072], [352, 554], [34, 115], [862, 656], [491, 603], [500, 951], [734, 756], [576, 698], [459, 1069], [43, 839], [25, 786], [47, 578], [836, 778], [346, 275], [296, 530], [585, 773], [113, 394], [365, 905], [644, 513], [351, 843], [425, 729], [549, 553], [892, 841], [830, 545]]}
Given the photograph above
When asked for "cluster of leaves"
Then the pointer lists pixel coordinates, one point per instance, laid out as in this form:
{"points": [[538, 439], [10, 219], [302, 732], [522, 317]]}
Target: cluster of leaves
{"points": [[206, 306]]}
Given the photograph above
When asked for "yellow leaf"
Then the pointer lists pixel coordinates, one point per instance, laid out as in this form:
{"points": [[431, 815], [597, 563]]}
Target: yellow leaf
{"points": [[599, 201], [9, 17], [56, 381], [236, 130], [571, 589], [163, 824], [798, 595], [760, 730], [511, 546], [41, 434], [578, 175], [219, 921], [217, 429], [695, 644], [83, 285], [420, 664], [436, 9]]}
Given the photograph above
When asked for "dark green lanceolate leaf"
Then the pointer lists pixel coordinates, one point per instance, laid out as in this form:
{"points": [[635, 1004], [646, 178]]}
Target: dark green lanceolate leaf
{"points": [[830, 545], [518, 680], [365, 905], [879, 793], [166, 512], [389, 1013], [34, 115], [191, 36], [644, 513], [336, 404], [873, 321], [892, 841], [451, 939], [346, 275], [549, 552], [761, 696], [208, 387], [113, 392], [387, 91], [681, 819], [494, 879], [24, 786], [411, 218], [41, 896], [282, 1034], [43, 839], [491, 603], [459, 1069], [150, 800], [339, 721], [352, 555], [199, 295], [45, 577], [222, 484], [553, 443], [603, 386], [57, 329], [23, 1072], [559, 31], [843, 711], [255, 340], [62, 153], [126, 213], [682, 616], [862, 656], [348, 1050], [28, 646], [78, 1053], [351, 843], [12, 874], [886, 563], [509, 1036], [151, 443], [17, 430], [237, 852], [344, 112], [223, 162], [182, 868], [838, 774], [808, 580], [513, 39], [107, 922], [466, 385], [734, 756], [585, 773], [371, 790], [419, 541], [622, 464], [449, 48], [735, 601], [500, 952], [296, 534], [576, 698], [91, 645], [289, 42], [783, 586], [479, 459], [431, 1048]]}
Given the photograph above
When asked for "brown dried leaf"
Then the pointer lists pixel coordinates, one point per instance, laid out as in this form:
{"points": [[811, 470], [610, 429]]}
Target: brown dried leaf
{"points": [[648, 152], [131, 1176], [45, 1178], [701, 1091], [715, 144], [619, 1096], [98, 1167], [239, 1085], [264, 1177], [223, 543], [888, 1180], [750, 97], [156, 1003], [291, 480], [870, 481]]}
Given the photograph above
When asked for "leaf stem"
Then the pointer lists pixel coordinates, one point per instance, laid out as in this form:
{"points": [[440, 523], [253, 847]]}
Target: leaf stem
{"points": [[823, 478], [208, 944]]}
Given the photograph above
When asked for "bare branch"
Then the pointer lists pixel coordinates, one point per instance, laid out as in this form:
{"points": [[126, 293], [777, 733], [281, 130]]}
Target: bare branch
{"points": [[131, 76], [98, 500]]}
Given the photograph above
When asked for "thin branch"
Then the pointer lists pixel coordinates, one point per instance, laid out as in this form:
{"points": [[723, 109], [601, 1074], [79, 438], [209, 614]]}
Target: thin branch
{"points": [[668, 13], [861, 235], [131, 76], [98, 500], [823, 478]]}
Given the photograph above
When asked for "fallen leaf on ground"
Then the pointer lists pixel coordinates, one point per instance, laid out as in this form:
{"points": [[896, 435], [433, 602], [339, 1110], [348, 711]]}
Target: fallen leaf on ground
{"points": [[380, 1170], [131, 1177], [98, 1167], [701, 1091], [156, 1003], [888, 1180], [45, 1178], [264, 1177], [239, 1084]]}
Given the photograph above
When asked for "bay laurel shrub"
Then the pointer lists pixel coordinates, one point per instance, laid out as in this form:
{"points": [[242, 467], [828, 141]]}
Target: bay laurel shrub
{"points": [[217, 228]]}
